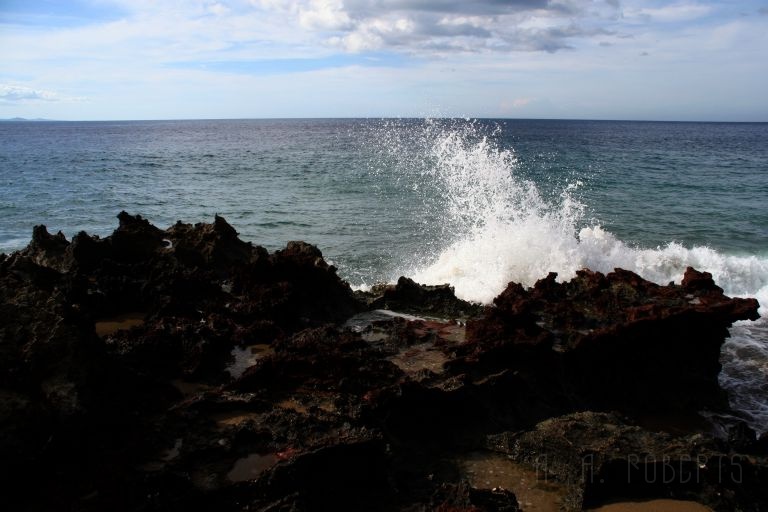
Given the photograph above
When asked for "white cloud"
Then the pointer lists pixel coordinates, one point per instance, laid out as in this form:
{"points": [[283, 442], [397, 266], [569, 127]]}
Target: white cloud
{"points": [[20, 94], [669, 13], [157, 33], [440, 27], [324, 15], [429, 27], [359, 41], [476, 58]]}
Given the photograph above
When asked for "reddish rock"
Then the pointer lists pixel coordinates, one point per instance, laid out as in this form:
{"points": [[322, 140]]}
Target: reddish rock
{"points": [[613, 341]]}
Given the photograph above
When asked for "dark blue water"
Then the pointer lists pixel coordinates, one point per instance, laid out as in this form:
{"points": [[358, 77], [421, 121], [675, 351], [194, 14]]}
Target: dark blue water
{"points": [[651, 183], [648, 183], [472, 202]]}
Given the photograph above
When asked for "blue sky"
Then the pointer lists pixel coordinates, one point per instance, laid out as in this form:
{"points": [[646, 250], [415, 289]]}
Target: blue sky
{"points": [[183, 59]]}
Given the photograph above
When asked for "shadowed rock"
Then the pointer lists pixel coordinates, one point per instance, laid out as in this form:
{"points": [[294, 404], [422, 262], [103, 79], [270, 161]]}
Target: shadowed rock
{"points": [[186, 369], [613, 341], [600, 459], [411, 297], [47, 250]]}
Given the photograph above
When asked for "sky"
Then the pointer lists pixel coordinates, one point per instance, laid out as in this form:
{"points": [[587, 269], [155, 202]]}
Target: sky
{"points": [[213, 59]]}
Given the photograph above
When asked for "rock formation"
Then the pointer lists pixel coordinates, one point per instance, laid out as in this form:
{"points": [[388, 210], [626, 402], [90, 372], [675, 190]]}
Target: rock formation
{"points": [[186, 369]]}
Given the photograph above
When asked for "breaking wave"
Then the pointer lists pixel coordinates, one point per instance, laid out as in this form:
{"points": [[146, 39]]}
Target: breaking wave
{"points": [[496, 226]]}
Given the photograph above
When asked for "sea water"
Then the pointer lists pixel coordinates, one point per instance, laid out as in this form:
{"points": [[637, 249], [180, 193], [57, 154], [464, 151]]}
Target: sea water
{"points": [[473, 203]]}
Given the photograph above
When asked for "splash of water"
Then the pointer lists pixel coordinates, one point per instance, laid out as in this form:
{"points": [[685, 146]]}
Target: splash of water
{"points": [[500, 225], [496, 227]]}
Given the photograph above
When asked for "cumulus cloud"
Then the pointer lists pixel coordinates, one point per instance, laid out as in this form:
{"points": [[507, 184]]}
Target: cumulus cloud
{"points": [[475, 7], [149, 33], [324, 15], [434, 26], [149, 58]]}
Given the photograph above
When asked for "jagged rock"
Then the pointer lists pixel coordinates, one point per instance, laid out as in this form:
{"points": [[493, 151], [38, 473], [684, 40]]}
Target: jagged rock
{"points": [[411, 297], [135, 239], [215, 246], [312, 287], [346, 476], [87, 252], [186, 369], [321, 358], [47, 250], [67, 390], [613, 341]]}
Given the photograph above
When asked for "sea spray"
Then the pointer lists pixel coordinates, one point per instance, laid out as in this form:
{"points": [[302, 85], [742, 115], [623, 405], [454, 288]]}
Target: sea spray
{"points": [[494, 226], [482, 211]]}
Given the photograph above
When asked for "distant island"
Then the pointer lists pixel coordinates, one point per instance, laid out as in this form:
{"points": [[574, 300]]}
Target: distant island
{"points": [[18, 119]]}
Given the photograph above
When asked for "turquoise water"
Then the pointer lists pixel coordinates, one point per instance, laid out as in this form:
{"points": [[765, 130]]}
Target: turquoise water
{"points": [[476, 203]]}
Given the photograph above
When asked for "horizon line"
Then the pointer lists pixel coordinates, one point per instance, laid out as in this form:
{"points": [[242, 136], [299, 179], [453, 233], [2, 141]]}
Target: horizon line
{"points": [[318, 118]]}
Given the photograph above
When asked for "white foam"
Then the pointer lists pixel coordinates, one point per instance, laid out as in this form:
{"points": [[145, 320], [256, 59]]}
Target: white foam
{"points": [[500, 229], [13, 244]]}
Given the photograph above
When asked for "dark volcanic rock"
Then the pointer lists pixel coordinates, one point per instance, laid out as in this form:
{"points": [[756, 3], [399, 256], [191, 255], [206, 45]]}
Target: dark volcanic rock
{"points": [[47, 250], [68, 395], [324, 359], [135, 240], [411, 297], [64, 398], [613, 341], [312, 287], [215, 246], [185, 369]]}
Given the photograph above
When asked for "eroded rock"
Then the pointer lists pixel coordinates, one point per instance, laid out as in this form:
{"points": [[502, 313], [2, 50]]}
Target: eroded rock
{"points": [[433, 300], [613, 341], [186, 369]]}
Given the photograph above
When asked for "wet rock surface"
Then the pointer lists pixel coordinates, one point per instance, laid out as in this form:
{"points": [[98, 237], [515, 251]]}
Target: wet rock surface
{"points": [[613, 341], [407, 296], [186, 369]]}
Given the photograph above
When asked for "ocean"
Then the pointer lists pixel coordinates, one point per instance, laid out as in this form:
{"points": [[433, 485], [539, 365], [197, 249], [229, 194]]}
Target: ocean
{"points": [[474, 203]]}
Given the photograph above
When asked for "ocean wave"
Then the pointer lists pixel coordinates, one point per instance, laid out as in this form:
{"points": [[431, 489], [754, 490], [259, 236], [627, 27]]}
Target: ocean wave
{"points": [[480, 265], [497, 227]]}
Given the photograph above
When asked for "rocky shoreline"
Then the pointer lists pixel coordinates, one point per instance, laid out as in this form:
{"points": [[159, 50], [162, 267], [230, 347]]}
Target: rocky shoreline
{"points": [[185, 369]]}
